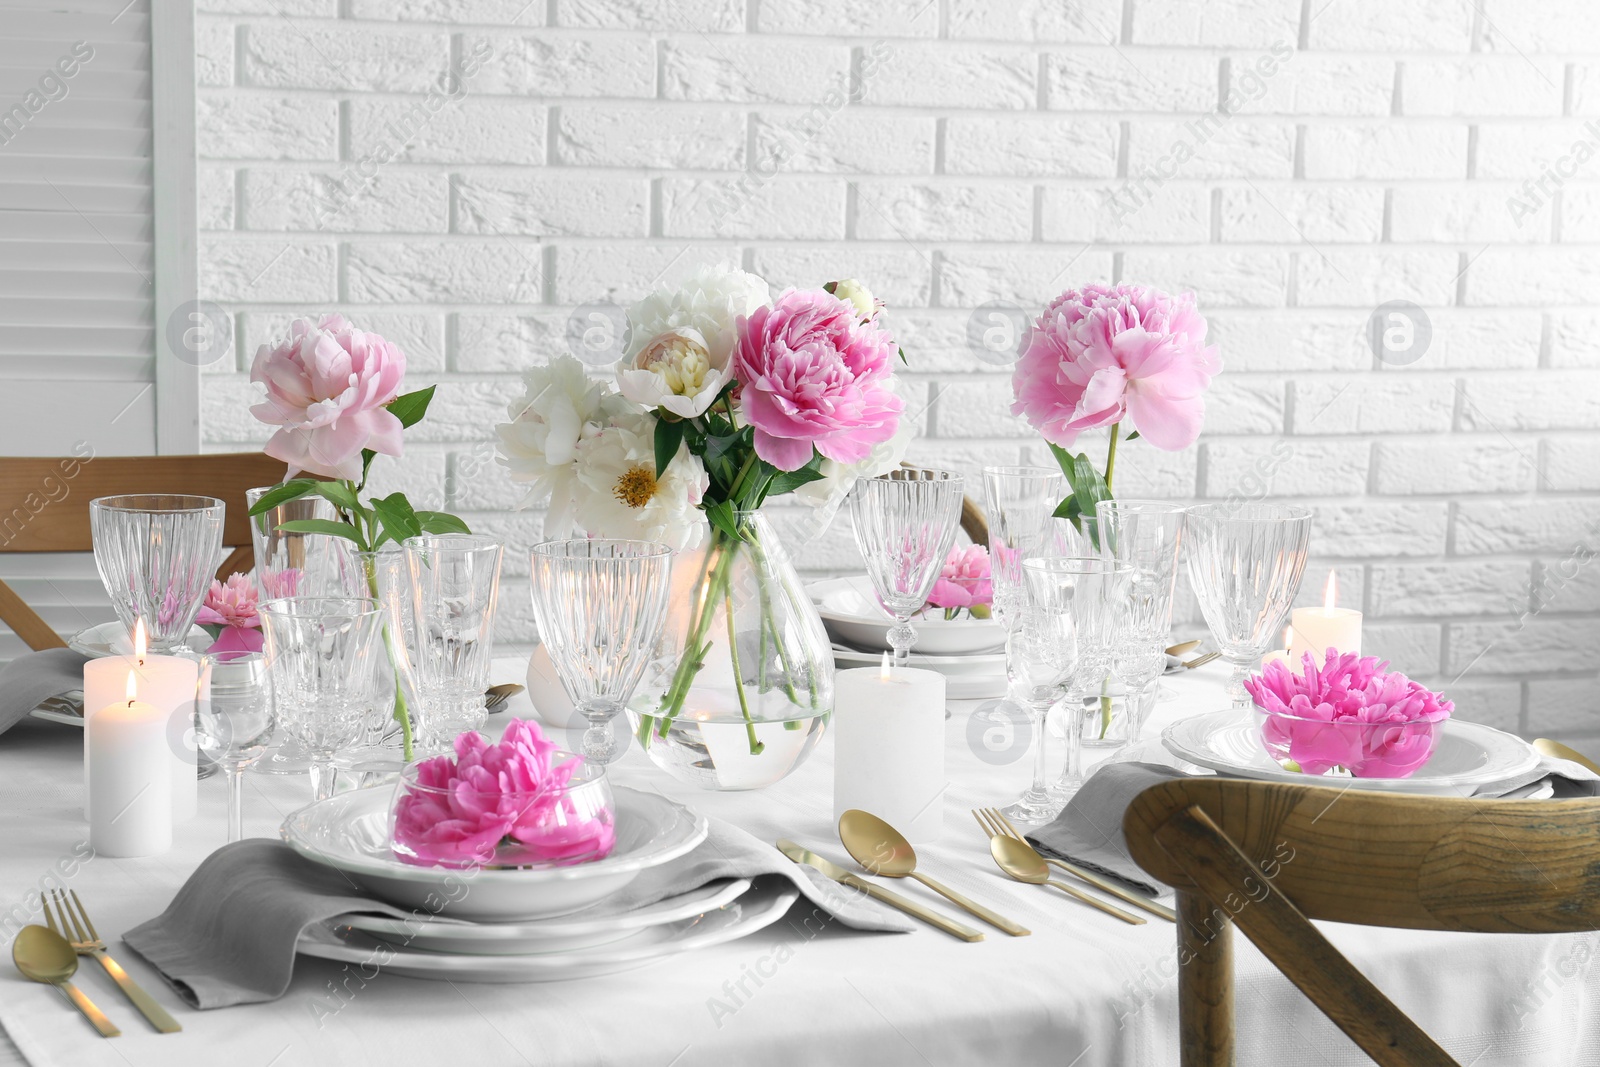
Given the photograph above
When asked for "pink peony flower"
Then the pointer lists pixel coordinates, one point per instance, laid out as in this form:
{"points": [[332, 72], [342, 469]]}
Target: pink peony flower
{"points": [[1351, 712], [512, 793], [1101, 355], [230, 615], [327, 387], [964, 582], [811, 373]]}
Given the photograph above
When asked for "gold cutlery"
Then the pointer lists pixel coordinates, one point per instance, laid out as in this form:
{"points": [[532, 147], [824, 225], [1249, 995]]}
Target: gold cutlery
{"points": [[495, 697], [995, 817], [1184, 646], [1545, 746], [1021, 861], [1201, 661], [883, 850], [801, 854], [44, 956], [88, 943]]}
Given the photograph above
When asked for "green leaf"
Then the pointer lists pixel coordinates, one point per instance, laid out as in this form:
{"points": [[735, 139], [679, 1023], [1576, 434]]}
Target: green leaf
{"points": [[410, 408], [440, 522], [1134, 436], [291, 490], [721, 516], [788, 481], [669, 436], [339, 494], [322, 526], [1069, 509], [398, 519], [1064, 459]]}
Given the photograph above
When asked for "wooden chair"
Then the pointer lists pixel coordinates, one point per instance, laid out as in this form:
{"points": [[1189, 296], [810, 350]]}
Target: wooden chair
{"points": [[44, 507], [1269, 857]]}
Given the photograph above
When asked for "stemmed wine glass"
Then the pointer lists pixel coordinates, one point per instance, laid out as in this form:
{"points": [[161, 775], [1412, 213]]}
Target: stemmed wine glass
{"points": [[1018, 502], [600, 606], [905, 522], [234, 725], [156, 554], [1146, 535], [1245, 563], [322, 656]]}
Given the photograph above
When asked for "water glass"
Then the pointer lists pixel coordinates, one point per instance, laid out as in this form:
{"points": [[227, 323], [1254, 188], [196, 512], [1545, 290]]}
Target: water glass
{"points": [[156, 554], [455, 583], [234, 724], [1245, 563], [300, 564], [385, 576], [1095, 590], [323, 655], [601, 606], [1146, 535], [1018, 501], [905, 522]]}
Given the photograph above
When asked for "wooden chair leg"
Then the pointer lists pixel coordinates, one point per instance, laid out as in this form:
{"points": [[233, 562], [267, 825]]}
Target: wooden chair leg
{"points": [[1205, 983]]}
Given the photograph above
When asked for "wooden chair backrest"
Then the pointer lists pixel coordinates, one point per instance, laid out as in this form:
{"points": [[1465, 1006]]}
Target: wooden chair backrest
{"points": [[44, 507], [1270, 857]]}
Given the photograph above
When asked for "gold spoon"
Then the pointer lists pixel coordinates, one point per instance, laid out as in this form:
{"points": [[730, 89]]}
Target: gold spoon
{"points": [[1184, 646], [883, 850], [1547, 747], [44, 956], [1021, 862]]}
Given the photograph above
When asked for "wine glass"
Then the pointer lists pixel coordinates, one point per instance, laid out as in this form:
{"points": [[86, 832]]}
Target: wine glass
{"points": [[1017, 503], [600, 606], [455, 583], [234, 725], [322, 657], [156, 554], [905, 522], [299, 564], [1146, 535], [1245, 563]]}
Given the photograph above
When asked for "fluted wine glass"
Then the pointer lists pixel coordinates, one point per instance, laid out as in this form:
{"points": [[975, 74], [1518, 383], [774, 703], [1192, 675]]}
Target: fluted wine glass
{"points": [[1017, 503], [156, 554], [234, 721], [299, 564], [1146, 535], [905, 522], [455, 580], [600, 606], [1245, 563]]}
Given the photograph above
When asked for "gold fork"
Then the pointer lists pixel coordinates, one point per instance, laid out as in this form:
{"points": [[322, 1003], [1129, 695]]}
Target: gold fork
{"points": [[995, 823], [88, 943]]}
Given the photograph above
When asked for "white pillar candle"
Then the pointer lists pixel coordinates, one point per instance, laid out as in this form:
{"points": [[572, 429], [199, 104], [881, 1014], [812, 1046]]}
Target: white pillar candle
{"points": [[167, 683], [131, 778], [888, 728], [1281, 655], [1318, 629]]}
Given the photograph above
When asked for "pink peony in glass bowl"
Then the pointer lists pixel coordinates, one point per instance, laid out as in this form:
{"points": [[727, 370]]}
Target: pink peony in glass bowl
{"points": [[519, 802], [1351, 716]]}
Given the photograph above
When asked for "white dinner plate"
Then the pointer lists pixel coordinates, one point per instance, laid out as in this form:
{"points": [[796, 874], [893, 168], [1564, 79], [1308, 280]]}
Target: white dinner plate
{"points": [[851, 614], [350, 832], [966, 677], [563, 934], [757, 908], [1468, 756], [111, 639]]}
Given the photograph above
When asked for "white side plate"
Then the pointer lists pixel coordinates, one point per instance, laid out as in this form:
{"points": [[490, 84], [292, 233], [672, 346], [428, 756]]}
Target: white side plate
{"points": [[851, 614]]}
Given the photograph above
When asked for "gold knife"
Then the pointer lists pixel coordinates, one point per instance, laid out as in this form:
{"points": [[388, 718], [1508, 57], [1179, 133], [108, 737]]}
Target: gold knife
{"points": [[801, 854]]}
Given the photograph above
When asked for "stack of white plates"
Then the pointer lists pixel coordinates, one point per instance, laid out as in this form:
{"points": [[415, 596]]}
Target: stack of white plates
{"points": [[969, 652], [527, 924]]}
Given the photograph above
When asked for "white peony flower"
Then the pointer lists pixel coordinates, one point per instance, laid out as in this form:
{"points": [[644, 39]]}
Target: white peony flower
{"points": [[680, 340], [560, 407], [857, 295], [620, 496]]}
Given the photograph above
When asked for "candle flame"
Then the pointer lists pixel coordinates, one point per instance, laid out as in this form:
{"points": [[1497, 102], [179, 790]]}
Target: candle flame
{"points": [[133, 688], [1330, 597], [884, 672], [141, 641]]}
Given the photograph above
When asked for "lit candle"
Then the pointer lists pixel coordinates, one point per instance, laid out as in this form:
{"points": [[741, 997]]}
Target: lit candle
{"points": [[131, 777], [167, 683], [1281, 655], [888, 728], [1318, 629]]}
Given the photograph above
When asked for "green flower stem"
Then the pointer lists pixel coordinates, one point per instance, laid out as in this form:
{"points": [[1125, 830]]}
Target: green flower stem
{"points": [[1111, 455], [769, 623], [1105, 683], [756, 747], [401, 714], [695, 645]]}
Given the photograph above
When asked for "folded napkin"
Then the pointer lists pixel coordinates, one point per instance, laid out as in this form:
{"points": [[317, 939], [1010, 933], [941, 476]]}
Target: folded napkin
{"points": [[229, 935], [35, 677]]}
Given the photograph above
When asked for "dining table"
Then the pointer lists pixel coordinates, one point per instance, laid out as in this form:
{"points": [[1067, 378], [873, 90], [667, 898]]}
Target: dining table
{"points": [[1082, 988]]}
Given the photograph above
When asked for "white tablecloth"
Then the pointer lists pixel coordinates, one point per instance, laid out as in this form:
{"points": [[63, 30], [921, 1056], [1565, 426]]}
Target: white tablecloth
{"points": [[1083, 989]]}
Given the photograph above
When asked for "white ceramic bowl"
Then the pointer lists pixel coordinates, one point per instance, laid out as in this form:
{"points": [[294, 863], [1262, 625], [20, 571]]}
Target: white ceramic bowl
{"points": [[851, 614], [350, 832]]}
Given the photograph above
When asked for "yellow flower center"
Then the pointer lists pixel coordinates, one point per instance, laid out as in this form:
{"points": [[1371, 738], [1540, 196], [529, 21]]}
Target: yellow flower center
{"points": [[636, 486], [681, 364]]}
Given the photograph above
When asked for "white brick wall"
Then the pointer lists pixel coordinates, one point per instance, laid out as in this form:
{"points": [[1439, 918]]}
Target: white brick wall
{"points": [[965, 152]]}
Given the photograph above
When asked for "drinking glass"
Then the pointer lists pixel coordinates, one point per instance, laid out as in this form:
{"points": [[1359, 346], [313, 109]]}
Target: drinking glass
{"points": [[156, 554], [300, 564], [455, 583], [1018, 502], [1095, 590], [1146, 535], [1245, 563], [234, 725], [600, 606], [322, 656], [385, 576], [905, 522]]}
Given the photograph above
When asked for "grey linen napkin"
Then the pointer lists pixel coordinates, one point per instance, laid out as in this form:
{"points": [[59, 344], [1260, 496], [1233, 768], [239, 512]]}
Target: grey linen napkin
{"points": [[1088, 831], [37, 676], [229, 935]]}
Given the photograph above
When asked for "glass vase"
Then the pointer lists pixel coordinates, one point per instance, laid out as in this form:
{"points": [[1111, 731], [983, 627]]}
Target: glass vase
{"points": [[741, 688]]}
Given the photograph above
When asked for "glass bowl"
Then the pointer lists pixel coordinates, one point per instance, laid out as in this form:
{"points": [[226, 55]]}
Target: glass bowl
{"points": [[456, 827], [1348, 748]]}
